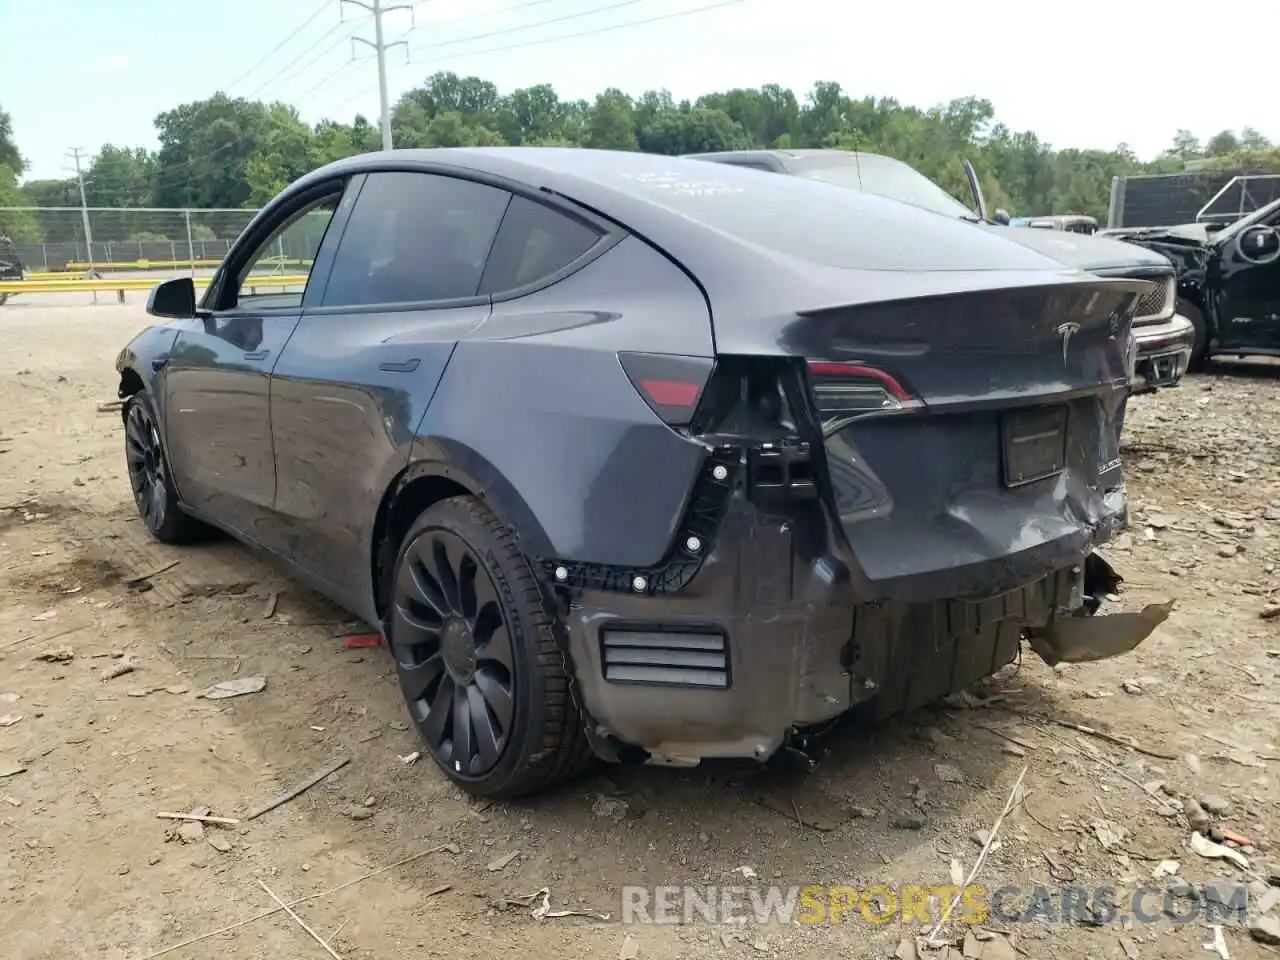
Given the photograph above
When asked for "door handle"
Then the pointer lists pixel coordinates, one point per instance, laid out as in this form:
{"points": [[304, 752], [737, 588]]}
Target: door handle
{"points": [[400, 366], [257, 355], [158, 365]]}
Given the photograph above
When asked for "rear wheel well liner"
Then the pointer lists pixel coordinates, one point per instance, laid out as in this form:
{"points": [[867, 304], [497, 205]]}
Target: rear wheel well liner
{"points": [[419, 486]]}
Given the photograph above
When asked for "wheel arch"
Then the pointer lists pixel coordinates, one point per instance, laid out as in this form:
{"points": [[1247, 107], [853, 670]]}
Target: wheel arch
{"points": [[459, 471]]}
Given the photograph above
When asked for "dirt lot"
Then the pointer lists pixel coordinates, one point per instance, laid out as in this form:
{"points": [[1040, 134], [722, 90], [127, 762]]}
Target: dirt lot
{"points": [[88, 870]]}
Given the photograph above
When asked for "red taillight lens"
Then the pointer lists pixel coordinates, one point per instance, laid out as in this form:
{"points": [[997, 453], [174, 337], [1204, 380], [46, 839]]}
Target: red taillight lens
{"points": [[847, 390], [670, 385]]}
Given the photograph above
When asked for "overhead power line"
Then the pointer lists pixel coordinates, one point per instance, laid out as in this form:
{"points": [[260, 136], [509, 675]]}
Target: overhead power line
{"points": [[590, 33], [533, 26], [279, 46]]}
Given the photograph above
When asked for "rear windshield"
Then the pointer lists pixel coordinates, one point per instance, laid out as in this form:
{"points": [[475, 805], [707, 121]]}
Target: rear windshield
{"points": [[818, 222], [885, 177]]}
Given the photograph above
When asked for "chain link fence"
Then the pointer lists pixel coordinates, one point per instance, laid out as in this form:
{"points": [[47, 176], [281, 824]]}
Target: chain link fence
{"points": [[1218, 196], [56, 239]]}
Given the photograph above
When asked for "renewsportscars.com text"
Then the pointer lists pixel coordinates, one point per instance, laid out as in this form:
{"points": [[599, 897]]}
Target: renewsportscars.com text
{"points": [[817, 904]]}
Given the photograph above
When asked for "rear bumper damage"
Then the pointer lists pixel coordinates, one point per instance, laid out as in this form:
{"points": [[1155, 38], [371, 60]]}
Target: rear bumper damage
{"points": [[768, 632], [1164, 352]]}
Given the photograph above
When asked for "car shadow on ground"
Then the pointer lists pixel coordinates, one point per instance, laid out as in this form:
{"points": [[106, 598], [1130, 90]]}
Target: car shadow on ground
{"points": [[1249, 368]]}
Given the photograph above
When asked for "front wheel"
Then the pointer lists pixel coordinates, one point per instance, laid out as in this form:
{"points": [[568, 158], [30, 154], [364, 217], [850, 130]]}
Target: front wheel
{"points": [[485, 682], [153, 490]]}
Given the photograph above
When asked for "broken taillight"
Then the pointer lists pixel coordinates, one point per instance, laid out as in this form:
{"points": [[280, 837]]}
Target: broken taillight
{"points": [[844, 391], [670, 385]]}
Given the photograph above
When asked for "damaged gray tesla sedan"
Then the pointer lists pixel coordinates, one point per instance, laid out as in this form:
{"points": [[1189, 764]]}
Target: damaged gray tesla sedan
{"points": [[646, 458]]}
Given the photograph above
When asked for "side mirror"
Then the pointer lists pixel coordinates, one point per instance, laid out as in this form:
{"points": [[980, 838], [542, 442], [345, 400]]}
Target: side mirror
{"points": [[1002, 216], [173, 299]]}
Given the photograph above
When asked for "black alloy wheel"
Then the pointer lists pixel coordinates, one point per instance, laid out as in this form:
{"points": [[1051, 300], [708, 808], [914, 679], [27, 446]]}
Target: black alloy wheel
{"points": [[153, 491], [478, 664], [147, 474], [454, 652]]}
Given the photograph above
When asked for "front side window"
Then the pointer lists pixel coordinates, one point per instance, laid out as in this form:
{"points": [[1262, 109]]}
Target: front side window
{"points": [[413, 238], [289, 251]]}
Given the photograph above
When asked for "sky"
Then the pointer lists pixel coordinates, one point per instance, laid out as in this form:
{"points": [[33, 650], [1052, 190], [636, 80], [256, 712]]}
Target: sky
{"points": [[82, 73]]}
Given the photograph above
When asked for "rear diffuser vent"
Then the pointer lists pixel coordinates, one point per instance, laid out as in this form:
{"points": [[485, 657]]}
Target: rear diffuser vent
{"points": [[666, 656]]}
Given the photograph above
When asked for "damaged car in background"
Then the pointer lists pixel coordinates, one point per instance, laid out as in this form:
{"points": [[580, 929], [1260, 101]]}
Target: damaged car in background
{"points": [[1164, 338], [1228, 280], [647, 459]]}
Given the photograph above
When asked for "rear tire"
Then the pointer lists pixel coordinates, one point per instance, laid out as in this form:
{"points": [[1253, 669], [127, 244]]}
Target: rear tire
{"points": [[149, 476], [1200, 349], [482, 674]]}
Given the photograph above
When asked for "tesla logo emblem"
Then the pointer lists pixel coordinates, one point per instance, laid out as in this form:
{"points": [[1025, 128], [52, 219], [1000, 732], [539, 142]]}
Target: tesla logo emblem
{"points": [[1067, 331]]}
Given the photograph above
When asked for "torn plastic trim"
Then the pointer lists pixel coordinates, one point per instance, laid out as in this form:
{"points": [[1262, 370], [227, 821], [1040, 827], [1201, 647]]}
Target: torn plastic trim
{"points": [[693, 543], [1085, 639]]}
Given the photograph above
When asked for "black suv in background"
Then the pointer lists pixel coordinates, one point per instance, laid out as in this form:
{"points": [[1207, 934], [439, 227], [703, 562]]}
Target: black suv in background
{"points": [[1228, 280], [1164, 338], [10, 263]]}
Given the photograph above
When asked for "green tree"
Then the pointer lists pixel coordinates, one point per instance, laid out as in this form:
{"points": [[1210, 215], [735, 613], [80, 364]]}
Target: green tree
{"points": [[611, 122]]}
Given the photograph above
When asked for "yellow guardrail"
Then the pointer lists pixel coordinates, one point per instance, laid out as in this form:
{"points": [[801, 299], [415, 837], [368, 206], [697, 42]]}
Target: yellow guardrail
{"points": [[119, 285], [80, 266]]}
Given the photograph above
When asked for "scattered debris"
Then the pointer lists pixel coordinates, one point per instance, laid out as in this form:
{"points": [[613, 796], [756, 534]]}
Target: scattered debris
{"points": [[135, 583], [57, 655], [908, 821], [47, 615], [411, 758], [218, 842], [1108, 834], [1015, 797], [124, 666], [801, 798], [363, 641], [304, 786], [10, 768], [10, 697], [300, 922], [1214, 804], [1215, 851], [197, 817], [1114, 739], [539, 906], [611, 808], [9, 719], [948, 773], [503, 862], [234, 688], [1270, 612], [190, 831], [1265, 929], [269, 610]]}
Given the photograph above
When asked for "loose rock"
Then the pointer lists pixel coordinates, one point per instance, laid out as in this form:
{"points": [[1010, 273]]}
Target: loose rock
{"points": [[1214, 804], [1265, 929]]}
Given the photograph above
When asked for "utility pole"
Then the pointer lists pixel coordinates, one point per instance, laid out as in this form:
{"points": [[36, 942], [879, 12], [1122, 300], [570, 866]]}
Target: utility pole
{"points": [[380, 47], [84, 212]]}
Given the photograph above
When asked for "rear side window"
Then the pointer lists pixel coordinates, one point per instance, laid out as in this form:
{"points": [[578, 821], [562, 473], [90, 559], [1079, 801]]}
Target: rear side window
{"points": [[534, 242], [415, 237]]}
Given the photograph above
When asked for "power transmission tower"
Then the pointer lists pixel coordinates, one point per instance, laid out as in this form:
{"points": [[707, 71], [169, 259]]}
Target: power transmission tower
{"points": [[84, 211], [381, 47]]}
